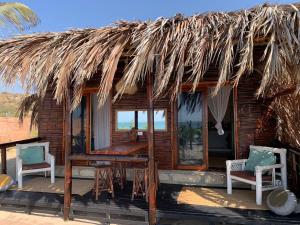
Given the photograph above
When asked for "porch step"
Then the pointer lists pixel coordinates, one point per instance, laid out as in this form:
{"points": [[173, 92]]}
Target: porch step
{"points": [[182, 177], [121, 211], [199, 178]]}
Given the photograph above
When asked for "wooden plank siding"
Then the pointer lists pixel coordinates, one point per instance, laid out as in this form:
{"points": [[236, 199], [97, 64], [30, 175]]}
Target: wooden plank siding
{"points": [[256, 124], [50, 126]]}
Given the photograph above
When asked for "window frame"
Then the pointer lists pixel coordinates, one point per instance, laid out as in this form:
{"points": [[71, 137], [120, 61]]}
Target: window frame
{"points": [[86, 123], [116, 119], [88, 93], [136, 121], [166, 120], [174, 140]]}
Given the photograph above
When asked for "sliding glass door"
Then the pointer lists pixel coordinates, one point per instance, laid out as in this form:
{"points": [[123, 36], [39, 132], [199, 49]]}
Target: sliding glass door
{"points": [[91, 125], [192, 130], [79, 127]]}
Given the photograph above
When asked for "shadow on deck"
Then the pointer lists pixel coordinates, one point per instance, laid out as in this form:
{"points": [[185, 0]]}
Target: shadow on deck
{"points": [[122, 210]]}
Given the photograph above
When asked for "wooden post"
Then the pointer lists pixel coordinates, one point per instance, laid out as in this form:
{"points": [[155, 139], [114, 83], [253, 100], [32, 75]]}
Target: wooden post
{"points": [[294, 172], [151, 163], [3, 160], [236, 123], [68, 163]]}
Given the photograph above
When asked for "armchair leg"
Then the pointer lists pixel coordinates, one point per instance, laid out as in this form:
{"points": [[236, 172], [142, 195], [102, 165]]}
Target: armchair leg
{"points": [[229, 185], [258, 187], [52, 176], [284, 178], [20, 181], [228, 177], [258, 196]]}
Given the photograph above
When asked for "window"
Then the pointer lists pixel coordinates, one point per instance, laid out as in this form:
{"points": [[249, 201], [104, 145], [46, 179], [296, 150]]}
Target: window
{"points": [[160, 122], [125, 120], [128, 119], [142, 120], [79, 127], [190, 129], [91, 125], [100, 123]]}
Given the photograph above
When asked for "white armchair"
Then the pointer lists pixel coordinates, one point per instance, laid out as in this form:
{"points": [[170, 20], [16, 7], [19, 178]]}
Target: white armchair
{"points": [[47, 164], [260, 180]]}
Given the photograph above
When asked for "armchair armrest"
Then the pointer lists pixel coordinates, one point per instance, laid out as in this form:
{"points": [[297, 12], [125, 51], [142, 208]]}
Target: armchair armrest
{"points": [[238, 161], [235, 165], [263, 168], [19, 162], [50, 158]]}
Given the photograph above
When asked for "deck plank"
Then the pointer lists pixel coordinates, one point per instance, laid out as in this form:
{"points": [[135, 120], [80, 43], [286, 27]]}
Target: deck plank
{"points": [[168, 208]]}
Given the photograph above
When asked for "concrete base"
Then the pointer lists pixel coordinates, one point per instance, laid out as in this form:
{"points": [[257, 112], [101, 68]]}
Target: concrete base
{"points": [[183, 177]]}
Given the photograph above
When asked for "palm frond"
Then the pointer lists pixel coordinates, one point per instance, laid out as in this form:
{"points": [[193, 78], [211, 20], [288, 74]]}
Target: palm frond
{"points": [[29, 106], [17, 15], [174, 50]]}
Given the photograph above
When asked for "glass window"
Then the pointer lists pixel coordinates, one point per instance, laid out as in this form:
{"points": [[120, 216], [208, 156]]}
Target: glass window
{"points": [[126, 120], [160, 122], [100, 123], [142, 120], [190, 122], [79, 127]]}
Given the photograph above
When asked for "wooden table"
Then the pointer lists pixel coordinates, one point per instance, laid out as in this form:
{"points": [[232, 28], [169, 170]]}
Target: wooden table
{"points": [[130, 148], [125, 152]]}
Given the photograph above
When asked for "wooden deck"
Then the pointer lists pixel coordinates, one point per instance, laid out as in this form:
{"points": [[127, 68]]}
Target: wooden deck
{"points": [[123, 210]]}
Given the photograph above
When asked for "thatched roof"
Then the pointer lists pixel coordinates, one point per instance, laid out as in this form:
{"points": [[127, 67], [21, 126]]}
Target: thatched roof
{"points": [[164, 47]]}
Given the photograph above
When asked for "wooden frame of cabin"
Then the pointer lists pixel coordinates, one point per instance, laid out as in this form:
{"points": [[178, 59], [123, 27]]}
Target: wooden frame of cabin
{"points": [[247, 129]]}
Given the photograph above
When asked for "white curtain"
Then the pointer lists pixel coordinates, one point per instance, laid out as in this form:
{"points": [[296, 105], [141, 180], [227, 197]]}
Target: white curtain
{"points": [[101, 123], [218, 105]]}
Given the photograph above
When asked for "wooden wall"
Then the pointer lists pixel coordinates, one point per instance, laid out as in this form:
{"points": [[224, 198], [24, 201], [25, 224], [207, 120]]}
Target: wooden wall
{"points": [[256, 124], [50, 125]]}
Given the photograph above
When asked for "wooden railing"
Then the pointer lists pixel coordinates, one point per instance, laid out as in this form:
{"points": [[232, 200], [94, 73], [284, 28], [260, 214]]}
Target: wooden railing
{"points": [[293, 166], [5, 146]]}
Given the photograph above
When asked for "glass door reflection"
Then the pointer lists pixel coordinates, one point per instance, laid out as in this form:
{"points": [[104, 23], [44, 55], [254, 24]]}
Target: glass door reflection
{"points": [[190, 127]]}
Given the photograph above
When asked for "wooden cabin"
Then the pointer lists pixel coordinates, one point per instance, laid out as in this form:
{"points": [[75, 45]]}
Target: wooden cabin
{"points": [[196, 90], [247, 121]]}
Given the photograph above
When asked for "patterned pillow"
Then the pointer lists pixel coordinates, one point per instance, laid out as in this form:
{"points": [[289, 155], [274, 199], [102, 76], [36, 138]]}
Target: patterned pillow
{"points": [[5, 182], [259, 158]]}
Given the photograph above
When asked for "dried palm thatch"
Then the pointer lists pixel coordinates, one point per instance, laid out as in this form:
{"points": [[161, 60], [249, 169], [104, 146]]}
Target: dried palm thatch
{"points": [[164, 48], [129, 90], [29, 104], [287, 109], [17, 14]]}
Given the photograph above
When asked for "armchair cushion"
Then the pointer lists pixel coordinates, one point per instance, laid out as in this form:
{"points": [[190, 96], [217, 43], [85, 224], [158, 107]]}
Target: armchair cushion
{"points": [[248, 175], [36, 166], [268, 161], [32, 155], [259, 158]]}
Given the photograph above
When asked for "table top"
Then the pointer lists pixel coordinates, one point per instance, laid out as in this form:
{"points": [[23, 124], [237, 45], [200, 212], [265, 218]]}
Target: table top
{"points": [[130, 148]]}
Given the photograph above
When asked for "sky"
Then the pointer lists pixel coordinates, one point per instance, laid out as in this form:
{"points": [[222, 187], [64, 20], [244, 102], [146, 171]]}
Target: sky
{"points": [[61, 15]]}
